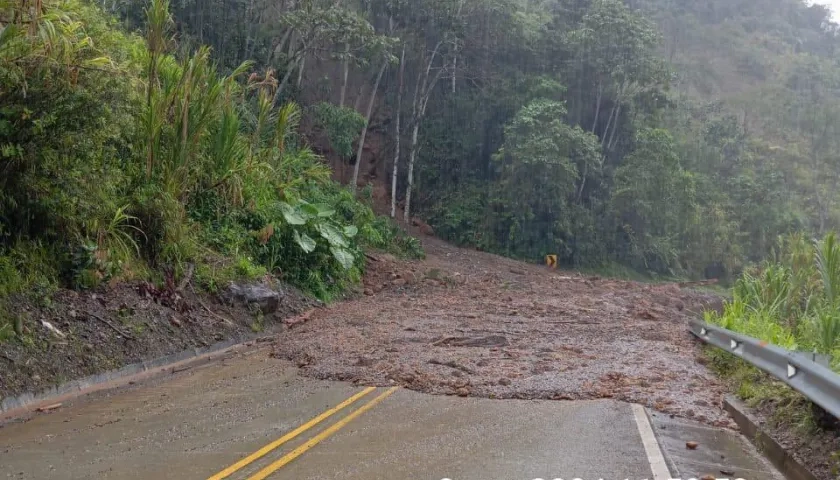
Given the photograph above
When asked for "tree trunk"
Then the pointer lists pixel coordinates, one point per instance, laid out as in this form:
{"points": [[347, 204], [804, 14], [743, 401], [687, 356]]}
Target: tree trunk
{"points": [[582, 182], [300, 71], [607, 130], [597, 107], [345, 72], [285, 80], [367, 123], [411, 156], [397, 135], [611, 144], [418, 109]]}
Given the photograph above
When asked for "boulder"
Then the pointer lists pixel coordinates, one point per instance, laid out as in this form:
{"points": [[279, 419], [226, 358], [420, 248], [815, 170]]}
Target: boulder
{"points": [[261, 295]]}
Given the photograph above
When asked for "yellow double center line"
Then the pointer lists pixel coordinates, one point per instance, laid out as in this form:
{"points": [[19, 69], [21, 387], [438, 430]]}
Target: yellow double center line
{"points": [[265, 472]]}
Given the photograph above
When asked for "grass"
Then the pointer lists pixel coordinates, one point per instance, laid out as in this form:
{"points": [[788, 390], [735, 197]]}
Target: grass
{"points": [[758, 389], [792, 301]]}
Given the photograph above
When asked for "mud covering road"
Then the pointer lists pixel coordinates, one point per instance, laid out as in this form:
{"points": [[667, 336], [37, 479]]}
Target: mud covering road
{"points": [[468, 323]]}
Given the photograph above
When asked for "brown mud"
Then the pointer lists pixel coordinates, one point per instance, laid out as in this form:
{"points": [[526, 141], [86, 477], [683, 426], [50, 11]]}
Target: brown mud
{"points": [[468, 323]]}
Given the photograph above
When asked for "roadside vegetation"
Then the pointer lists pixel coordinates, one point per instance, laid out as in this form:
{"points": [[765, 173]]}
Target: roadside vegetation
{"points": [[120, 160], [791, 300]]}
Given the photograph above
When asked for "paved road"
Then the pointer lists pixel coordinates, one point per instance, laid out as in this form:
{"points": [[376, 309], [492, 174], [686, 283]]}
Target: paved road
{"points": [[253, 417]]}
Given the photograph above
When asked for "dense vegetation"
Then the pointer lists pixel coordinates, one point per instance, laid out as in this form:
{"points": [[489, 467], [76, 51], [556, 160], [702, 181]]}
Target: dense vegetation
{"points": [[791, 300], [673, 135], [668, 136], [120, 160]]}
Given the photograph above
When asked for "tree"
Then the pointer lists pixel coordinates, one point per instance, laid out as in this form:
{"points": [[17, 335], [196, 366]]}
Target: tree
{"points": [[539, 169], [653, 199]]}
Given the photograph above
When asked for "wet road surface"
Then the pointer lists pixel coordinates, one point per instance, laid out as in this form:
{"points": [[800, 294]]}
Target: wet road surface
{"points": [[252, 417]]}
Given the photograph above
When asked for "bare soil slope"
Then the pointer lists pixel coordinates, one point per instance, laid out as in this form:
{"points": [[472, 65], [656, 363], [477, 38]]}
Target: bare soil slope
{"points": [[469, 323]]}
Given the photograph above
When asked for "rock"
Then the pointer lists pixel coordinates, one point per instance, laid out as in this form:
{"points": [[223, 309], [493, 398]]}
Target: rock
{"points": [[504, 382], [708, 477], [424, 227], [399, 282], [264, 297], [691, 445], [175, 321], [368, 292], [463, 392]]}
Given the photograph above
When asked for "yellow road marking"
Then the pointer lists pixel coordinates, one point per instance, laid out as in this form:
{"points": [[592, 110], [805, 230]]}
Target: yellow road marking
{"points": [[285, 438], [265, 472]]}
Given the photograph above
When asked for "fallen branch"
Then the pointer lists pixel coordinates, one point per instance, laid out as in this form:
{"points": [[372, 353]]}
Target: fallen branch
{"points": [[453, 364], [211, 312], [49, 407], [110, 324]]}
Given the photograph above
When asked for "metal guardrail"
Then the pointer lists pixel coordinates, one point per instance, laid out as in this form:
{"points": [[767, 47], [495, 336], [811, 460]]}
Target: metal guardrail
{"points": [[799, 370]]}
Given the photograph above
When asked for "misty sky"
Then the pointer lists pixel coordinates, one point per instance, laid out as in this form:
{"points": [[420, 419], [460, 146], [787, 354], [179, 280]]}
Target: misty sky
{"points": [[835, 7]]}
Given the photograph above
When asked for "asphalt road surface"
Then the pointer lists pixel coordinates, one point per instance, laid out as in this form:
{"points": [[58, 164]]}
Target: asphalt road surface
{"points": [[252, 417]]}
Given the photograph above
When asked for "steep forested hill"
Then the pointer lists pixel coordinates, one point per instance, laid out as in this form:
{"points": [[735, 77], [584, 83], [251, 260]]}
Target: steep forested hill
{"points": [[670, 136]]}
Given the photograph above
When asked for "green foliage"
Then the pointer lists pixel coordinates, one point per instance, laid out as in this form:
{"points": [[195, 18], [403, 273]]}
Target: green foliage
{"points": [[118, 156], [653, 198], [743, 93], [342, 126], [790, 302], [541, 168]]}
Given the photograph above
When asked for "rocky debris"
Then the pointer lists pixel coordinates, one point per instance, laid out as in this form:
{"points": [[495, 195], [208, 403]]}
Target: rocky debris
{"points": [[259, 295], [488, 341], [489, 326], [691, 445]]}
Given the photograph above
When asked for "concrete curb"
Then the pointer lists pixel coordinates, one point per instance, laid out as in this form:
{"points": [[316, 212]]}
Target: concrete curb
{"points": [[778, 456], [21, 405]]}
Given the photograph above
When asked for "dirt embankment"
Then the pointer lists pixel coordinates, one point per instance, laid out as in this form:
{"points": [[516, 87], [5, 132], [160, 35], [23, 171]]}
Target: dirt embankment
{"points": [[86, 333], [469, 323]]}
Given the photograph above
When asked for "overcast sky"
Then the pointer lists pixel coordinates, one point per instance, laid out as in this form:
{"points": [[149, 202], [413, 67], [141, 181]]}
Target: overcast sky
{"points": [[835, 7]]}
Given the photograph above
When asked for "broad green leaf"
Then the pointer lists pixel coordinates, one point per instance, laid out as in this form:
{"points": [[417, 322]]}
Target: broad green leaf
{"points": [[306, 243], [344, 257], [350, 231], [291, 216], [331, 234], [324, 210], [309, 209]]}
